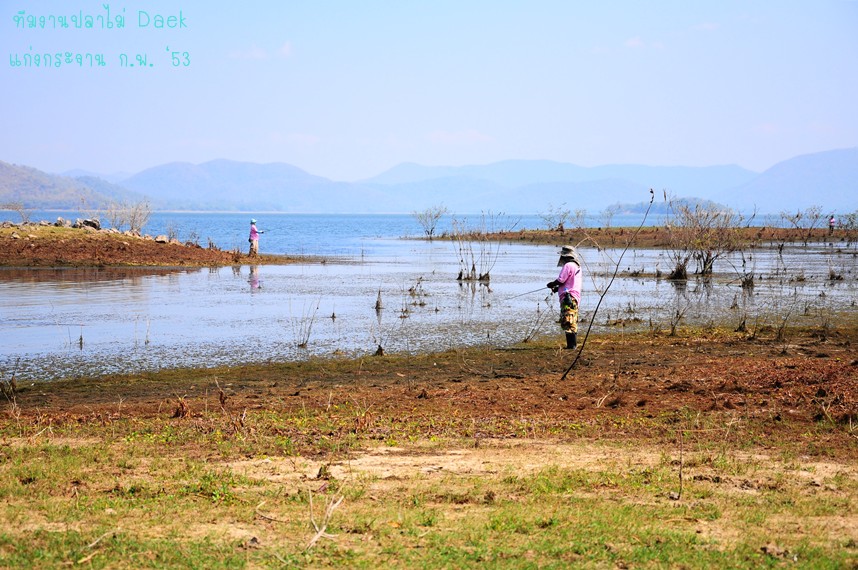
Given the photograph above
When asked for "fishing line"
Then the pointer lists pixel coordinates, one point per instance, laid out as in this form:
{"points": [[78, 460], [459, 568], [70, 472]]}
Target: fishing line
{"points": [[605, 292]]}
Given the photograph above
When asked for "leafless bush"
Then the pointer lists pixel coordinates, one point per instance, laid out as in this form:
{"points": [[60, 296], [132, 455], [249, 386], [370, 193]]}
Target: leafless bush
{"points": [[476, 251], [19, 208], [429, 218], [579, 218], [781, 330], [302, 326], [703, 232], [172, 230], [555, 217], [607, 215], [138, 215], [88, 211], [805, 221], [193, 238], [9, 388], [117, 215], [849, 227], [135, 216], [675, 319]]}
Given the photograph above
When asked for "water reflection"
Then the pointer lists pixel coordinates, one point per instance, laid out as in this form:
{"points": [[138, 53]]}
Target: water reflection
{"points": [[254, 280], [78, 275]]}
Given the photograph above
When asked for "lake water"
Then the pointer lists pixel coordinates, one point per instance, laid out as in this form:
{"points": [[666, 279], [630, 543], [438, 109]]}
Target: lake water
{"points": [[67, 322]]}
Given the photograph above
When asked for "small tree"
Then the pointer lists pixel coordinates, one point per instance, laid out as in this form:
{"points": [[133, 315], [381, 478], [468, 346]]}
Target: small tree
{"points": [[18, 207], [116, 214], [607, 216], [579, 218], [555, 217], [805, 221], [849, 224], [703, 232], [429, 218], [138, 215]]}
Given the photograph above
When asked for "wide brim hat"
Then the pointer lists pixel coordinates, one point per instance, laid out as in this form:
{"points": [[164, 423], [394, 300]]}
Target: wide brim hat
{"points": [[568, 253]]}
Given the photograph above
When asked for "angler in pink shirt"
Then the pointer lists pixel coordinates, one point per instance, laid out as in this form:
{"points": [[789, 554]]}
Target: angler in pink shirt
{"points": [[568, 287], [254, 239]]}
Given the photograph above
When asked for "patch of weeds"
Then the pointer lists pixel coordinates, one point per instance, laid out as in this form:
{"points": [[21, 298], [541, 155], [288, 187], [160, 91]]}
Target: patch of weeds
{"points": [[214, 485], [428, 517], [43, 549], [285, 445], [505, 522], [707, 511], [126, 464]]}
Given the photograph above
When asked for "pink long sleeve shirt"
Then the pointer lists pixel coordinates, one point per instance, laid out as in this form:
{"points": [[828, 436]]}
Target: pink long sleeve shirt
{"points": [[570, 281]]}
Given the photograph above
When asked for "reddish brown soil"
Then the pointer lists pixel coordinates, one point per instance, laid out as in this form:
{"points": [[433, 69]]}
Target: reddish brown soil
{"points": [[660, 237], [47, 246], [787, 389], [629, 388]]}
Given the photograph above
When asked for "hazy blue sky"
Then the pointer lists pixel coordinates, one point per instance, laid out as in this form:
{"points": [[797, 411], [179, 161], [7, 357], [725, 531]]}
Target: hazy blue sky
{"points": [[347, 89]]}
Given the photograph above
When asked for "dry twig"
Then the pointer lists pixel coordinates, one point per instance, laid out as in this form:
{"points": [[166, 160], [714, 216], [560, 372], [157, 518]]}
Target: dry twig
{"points": [[332, 505]]}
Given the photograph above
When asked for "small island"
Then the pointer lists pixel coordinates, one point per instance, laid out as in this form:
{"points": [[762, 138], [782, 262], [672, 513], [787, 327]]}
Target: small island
{"points": [[85, 243]]}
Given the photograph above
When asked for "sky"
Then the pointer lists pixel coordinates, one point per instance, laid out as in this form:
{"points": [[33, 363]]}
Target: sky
{"points": [[347, 89]]}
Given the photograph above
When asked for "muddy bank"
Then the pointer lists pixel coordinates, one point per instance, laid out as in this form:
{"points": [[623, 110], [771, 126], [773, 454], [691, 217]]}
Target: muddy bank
{"points": [[36, 245], [660, 237], [782, 385]]}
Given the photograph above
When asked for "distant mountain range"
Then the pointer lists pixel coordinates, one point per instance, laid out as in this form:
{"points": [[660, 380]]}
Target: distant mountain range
{"points": [[827, 179]]}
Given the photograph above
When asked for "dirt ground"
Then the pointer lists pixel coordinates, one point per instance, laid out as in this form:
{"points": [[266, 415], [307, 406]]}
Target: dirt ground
{"points": [[809, 377], [47, 246], [622, 387], [659, 236]]}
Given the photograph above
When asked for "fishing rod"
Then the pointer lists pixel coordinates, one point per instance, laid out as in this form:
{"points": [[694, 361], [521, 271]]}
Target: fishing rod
{"points": [[528, 293], [611, 282]]}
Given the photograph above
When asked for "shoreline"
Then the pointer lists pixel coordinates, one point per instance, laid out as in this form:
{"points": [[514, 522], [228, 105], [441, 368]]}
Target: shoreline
{"points": [[640, 375], [42, 244], [46, 245]]}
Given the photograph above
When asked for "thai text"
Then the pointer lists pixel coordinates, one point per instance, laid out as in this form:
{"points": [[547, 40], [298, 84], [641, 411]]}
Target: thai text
{"points": [[104, 19]]}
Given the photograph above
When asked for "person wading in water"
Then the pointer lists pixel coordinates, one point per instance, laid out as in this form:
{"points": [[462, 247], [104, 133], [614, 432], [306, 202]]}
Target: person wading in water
{"points": [[568, 287]]}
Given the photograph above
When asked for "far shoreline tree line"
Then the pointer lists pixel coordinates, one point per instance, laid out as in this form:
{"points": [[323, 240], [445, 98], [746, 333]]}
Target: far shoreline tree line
{"points": [[698, 232]]}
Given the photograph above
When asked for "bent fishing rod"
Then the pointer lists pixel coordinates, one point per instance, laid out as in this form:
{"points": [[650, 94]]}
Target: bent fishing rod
{"points": [[605, 292]]}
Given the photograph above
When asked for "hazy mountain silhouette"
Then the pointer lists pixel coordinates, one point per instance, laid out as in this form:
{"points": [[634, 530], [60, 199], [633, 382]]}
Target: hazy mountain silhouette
{"points": [[40, 190], [523, 173], [828, 179]]}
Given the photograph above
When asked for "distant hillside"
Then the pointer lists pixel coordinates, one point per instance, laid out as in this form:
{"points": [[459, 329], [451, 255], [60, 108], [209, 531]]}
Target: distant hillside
{"points": [[524, 173], [40, 190], [231, 185], [828, 179], [114, 178]]}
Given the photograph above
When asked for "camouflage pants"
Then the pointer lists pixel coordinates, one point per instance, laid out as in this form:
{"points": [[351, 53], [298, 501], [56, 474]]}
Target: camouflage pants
{"points": [[569, 313]]}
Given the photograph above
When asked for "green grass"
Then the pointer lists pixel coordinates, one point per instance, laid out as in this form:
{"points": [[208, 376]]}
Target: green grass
{"points": [[136, 502]]}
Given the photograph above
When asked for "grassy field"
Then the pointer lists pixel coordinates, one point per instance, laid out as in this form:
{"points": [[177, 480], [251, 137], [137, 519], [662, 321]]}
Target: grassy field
{"points": [[692, 451]]}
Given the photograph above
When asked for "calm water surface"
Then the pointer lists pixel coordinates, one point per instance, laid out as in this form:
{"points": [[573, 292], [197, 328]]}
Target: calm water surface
{"points": [[67, 322]]}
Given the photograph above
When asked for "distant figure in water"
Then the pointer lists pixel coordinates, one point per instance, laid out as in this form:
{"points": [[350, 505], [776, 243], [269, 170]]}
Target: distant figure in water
{"points": [[832, 221], [254, 239]]}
